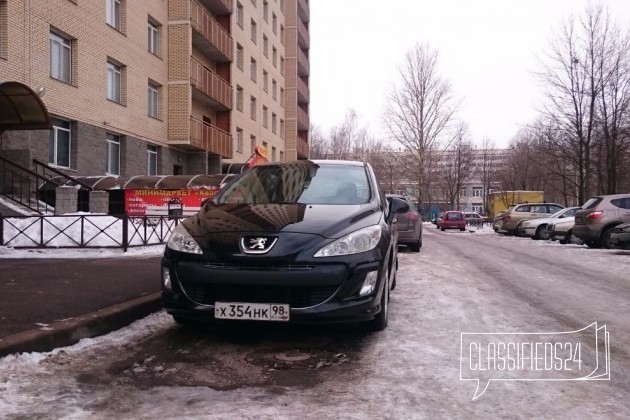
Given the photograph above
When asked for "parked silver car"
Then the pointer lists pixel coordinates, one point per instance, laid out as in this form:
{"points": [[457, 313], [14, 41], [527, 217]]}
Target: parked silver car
{"points": [[561, 230], [537, 228], [620, 236], [595, 223]]}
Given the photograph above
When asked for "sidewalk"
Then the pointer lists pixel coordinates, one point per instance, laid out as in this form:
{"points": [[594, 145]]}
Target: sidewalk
{"points": [[49, 303]]}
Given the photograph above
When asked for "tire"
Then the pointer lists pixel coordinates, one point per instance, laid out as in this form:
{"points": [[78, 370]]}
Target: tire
{"points": [[415, 247], [593, 244], [393, 286], [463, 230], [379, 323], [442, 229], [605, 238], [541, 233]]}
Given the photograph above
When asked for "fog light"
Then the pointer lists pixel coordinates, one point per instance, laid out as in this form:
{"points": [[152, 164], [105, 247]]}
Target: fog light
{"points": [[369, 284], [166, 278]]}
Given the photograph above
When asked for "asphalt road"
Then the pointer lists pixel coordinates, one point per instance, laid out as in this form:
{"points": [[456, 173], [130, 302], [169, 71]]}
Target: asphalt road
{"points": [[41, 291], [459, 283]]}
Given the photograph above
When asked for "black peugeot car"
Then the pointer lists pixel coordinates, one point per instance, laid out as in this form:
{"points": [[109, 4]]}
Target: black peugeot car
{"points": [[302, 241]]}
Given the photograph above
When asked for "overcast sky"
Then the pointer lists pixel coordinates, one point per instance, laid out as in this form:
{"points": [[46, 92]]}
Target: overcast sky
{"points": [[488, 51]]}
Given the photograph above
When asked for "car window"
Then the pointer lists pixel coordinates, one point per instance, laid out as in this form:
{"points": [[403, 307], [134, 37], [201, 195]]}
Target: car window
{"points": [[591, 203], [570, 212], [522, 209], [623, 203], [553, 208], [538, 209], [454, 216], [303, 182]]}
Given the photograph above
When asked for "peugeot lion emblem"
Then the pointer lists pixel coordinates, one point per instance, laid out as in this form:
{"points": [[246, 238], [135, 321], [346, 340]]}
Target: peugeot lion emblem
{"points": [[257, 244]]}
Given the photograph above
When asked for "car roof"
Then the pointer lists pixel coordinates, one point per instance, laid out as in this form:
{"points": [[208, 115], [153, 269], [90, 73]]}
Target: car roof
{"points": [[339, 162]]}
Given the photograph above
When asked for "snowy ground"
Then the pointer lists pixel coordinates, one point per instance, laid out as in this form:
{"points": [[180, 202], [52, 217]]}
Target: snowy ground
{"points": [[460, 282]]}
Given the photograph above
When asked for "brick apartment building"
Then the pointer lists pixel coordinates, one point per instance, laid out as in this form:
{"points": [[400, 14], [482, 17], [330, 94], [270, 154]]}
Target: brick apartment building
{"points": [[141, 87]]}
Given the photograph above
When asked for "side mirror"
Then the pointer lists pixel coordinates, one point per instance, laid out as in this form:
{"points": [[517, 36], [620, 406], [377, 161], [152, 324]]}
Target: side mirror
{"points": [[397, 205]]}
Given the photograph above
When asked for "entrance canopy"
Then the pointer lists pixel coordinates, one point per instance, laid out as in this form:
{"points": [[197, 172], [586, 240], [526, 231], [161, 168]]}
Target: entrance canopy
{"points": [[21, 108]]}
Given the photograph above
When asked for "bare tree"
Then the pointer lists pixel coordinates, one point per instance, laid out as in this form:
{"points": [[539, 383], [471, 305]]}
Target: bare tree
{"points": [[456, 166], [420, 111], [574, 74], [487, 169], [318, 144]]}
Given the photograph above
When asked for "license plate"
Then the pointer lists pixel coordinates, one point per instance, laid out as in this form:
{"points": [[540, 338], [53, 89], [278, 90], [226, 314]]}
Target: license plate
{"points": [[252, 311]]}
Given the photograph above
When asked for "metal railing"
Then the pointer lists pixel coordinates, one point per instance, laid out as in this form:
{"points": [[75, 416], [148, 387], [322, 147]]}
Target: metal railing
{"points": [[85, 231], [21, 186]]}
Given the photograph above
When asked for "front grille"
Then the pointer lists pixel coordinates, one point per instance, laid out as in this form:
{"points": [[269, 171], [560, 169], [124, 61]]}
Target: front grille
{"points": [[295, 296], [260, 267]]}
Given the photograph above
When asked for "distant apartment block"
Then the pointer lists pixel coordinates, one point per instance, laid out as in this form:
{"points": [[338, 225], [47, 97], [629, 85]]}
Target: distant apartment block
{"points": [[159, 87]]}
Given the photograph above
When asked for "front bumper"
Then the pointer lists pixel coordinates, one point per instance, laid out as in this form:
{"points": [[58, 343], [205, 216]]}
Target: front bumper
{"points": [[527, 231], [620, 238], [316, 293]]}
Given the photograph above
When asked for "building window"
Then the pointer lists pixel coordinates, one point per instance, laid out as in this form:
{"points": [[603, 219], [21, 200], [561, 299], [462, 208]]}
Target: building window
{"points": [[477, 208], [239, 56], [152, 158], [477, 192], [265, 116], [253, 69], [239, 140], [113, 154], [60, 58], [252, 144], [252, 108], [114, 82], [281, 128], [153, 91], [282, 97], [265, 81], [239, 98], [240, 15], [265, 45], [462, 192], [273, 123], [282, 34], [254, 2], [282, 66], [281, 156], [254, 29], [153, 38], [274, 56], [266, 11], [60, 143], [274, 89], [274, 24], [273, 153], [114, 13]]}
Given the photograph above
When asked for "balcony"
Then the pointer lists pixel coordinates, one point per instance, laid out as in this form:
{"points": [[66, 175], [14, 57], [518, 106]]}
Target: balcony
{"points": [[303, 10], [302, 119], [302, 149], [303, 91], [303, 64], [210, 138], [218, 7], [208, 36], [209, 88], [303, 35]]}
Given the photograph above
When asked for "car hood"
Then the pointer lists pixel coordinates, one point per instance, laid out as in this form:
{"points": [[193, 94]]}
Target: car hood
{"points": [[564, 221], [325, 221]]}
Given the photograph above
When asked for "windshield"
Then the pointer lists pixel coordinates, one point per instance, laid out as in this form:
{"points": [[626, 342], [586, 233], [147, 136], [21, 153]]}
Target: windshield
{"points": [[299, 182]]}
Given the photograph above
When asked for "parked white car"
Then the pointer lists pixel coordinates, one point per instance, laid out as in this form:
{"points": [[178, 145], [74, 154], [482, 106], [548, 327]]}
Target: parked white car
{"points": [[561, 230], [537, 228]]}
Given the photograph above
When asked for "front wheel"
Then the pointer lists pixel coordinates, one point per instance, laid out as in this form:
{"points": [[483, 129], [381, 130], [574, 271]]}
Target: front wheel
{"points": [[379, 323], [541, 233], [605, 240]]}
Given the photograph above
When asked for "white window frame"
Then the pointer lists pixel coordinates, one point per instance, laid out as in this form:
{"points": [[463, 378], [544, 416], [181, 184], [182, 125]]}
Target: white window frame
{"points": [[239, 98], [153, 38], [240, 15], [252, 144], [114, 13], [254, 29], [60, 58], [114, 82], [112, 154], [239, 140], [54, 158], [253, 69], [265, 10], [240, 56], [265, 115], [153, 97], [253, 103], [477, 192], [152, 159]]}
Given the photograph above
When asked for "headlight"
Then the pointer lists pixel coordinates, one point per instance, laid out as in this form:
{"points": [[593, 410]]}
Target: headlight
{"points": [[360, 241], [182, 241]]}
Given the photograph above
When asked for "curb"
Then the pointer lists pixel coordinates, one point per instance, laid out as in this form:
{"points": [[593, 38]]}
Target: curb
{"points": [[70, 331]]}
